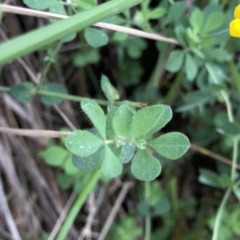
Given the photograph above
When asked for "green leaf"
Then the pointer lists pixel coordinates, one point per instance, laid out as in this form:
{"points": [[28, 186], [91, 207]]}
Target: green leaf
{"points": [[23, 92], [53, 87], [181, 34], [163, 119], [109, 90], [146, 120], [96, 115], [127, 153], [135, 47], [156, 13], [228, 128], [236, 191], [87, 4], [198, 52], [55, 156], [144, 166], [90, 56], [175, 61], [171, 145], [95, 38], [90, 162], [111, 166], [82, 143], [109, 126], [122, 121], [119, 36], [175, 12], [65, 181], [196, 20], [190, 67], [58, 8], [39, 4], [209, 178], [214, 21], [69, 168]]}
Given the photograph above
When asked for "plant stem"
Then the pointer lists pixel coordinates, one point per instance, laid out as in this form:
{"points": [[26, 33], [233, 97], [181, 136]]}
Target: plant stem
{"points": [[69, 220], [79, 99], [147, 195], [155, 78], [46, 69], [219, 214], [235, 76], [4, 89], [234, 160], [168, 99], [224, 95]]}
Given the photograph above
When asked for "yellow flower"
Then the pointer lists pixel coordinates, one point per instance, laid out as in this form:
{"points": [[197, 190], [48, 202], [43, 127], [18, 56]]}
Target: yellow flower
{"points": [[237, 12], [234, 28]]}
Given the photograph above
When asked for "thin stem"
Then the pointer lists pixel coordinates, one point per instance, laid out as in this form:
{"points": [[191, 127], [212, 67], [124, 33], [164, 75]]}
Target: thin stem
{"points": [[48, 66], [168, 99], [4, 89], [219, 214], [69, 220], [158, 70], [36, 133], [147, 195], [234, 160], [228, 105], [79, 99], [128, 30], [224, 95]]}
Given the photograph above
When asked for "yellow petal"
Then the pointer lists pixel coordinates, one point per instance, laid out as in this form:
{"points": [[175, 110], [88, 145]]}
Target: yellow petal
{"points": [[234, 28], [237, 12]]}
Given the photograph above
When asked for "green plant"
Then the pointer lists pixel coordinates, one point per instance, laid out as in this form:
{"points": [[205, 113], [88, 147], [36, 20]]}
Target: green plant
{"points": [[119, 134]]}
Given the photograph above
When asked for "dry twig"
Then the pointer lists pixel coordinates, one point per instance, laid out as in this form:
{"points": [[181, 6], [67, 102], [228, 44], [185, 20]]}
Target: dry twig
{"points": [[131, 31]]}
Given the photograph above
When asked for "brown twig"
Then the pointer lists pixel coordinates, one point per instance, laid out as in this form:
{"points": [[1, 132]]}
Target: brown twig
{"points": [[7, 214], [62, 216], [115, 209], [208, 153], [34, 132], [131, 31]]}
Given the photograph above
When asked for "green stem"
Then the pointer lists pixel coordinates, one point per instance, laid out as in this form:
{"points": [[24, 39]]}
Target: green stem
{"points": [[174, 87], [34, 40], [157, 72], [4, 89], [235, 75], [69, 220], [224, 95], [68, 97], [174, 197], [79, 99], [234, 157], [46, 69], [219, 214], [147, 195], [234, 160]]}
